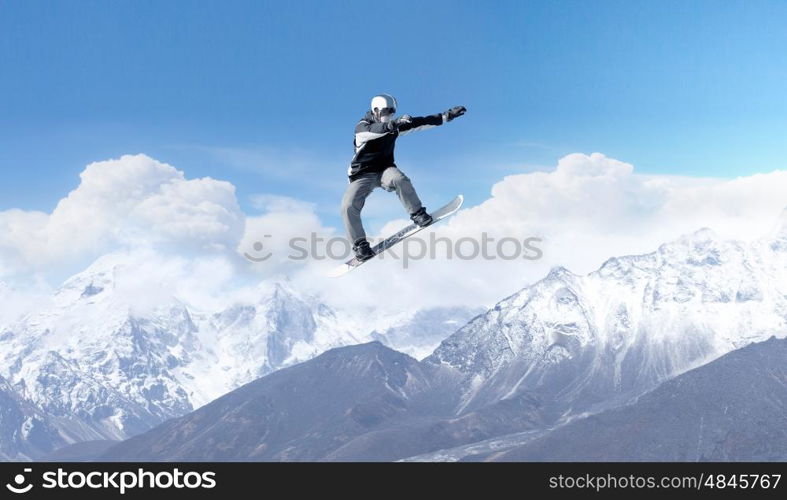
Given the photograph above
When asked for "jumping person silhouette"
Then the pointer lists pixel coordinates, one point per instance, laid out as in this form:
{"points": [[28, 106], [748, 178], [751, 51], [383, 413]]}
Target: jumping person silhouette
{"points": [[373, 166]]}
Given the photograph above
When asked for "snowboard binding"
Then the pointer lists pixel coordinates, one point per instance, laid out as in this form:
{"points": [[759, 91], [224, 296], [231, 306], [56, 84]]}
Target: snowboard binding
{"points": [[421, 218]]}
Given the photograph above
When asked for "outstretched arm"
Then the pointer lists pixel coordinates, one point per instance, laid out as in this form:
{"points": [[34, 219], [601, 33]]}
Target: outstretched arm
{"points": [[366, 130], [409, 123]]}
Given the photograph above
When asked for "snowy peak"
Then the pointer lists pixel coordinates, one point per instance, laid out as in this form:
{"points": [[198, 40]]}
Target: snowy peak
{"points": [[279, 328], [115, 351], [635, 322], [700, 248], [419, 333], [125, 353], [99, 276], [94, 352], [780, 229], [115, 283], [560, 273], [280, 294]]}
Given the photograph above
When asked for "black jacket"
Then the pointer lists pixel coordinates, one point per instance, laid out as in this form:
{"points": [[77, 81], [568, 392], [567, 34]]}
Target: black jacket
{"points": [[374, 143]]}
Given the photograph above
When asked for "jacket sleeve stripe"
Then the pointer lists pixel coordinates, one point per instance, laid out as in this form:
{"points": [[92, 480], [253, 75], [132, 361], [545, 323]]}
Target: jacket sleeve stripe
{"points": [[376, 127], [361, 137]]}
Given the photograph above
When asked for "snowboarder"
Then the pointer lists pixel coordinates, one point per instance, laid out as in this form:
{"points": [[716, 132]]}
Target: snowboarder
{"points": [[373, 166]]}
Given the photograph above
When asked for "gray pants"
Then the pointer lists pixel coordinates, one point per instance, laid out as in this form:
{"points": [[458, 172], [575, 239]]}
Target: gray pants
{"points": [[390, 179]]}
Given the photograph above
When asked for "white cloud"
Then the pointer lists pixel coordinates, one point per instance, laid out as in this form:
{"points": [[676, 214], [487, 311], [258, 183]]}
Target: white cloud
{"points": [[14, 303], [146, 279], [589, 208], [126, 202], [272, 239]]}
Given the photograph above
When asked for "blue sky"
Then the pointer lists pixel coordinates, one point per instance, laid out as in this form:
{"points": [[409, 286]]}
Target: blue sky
{"points": [[266, 94]]}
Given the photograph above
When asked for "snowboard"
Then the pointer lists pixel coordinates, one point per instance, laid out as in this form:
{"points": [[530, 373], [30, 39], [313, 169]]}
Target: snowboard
{"points": [[401, 235]]}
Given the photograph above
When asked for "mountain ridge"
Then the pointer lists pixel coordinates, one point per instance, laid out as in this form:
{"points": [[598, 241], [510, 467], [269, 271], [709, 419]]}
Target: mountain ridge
{"points": [[732, 409]]}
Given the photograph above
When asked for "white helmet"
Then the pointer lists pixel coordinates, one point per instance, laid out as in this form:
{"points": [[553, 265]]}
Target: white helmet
{"points": [[384, 107]]}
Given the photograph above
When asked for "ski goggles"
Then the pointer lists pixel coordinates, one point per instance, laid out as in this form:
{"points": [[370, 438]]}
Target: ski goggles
{"points": [[387, 111]]}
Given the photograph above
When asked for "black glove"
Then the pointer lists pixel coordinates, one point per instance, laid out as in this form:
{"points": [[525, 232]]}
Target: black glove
{"points": [[455, 112], [404, 119]]}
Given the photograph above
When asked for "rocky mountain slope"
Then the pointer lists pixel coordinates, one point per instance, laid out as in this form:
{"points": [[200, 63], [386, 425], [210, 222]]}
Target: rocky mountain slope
{"points": [[732, 409], [587, 342], [556, 351]]}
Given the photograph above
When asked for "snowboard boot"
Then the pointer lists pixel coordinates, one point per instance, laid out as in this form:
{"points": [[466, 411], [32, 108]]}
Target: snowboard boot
{"points": [[421, 218], [362, 250]]}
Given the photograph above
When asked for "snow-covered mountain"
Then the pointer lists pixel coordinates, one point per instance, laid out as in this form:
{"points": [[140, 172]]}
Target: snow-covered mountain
{"points": [[734, 409], [248, 340], [418, 333], [89, 359], [368, 402], [106, 367], [550, 354], [98, 364], [24, 430], [586, 342], [108, 357], [304, 412]]}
